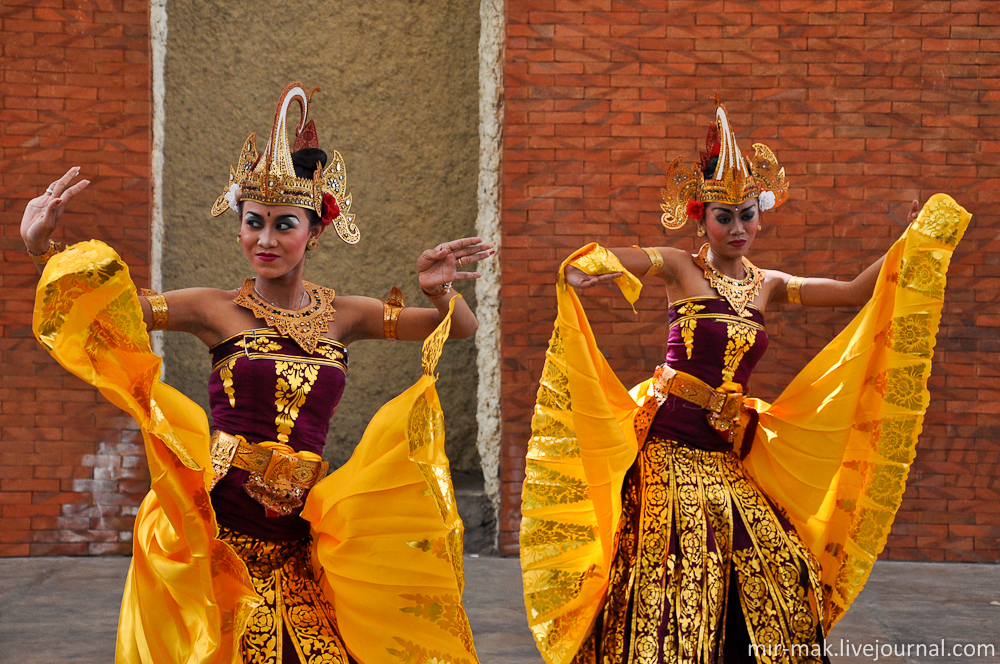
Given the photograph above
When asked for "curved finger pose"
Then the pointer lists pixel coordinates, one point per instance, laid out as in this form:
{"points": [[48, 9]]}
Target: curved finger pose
{"points": [[684, 521], [243, 551]]}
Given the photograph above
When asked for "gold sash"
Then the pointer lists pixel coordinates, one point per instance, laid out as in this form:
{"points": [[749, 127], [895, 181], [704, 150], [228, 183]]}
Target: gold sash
{"points": [[726, 414], [280, 477]]}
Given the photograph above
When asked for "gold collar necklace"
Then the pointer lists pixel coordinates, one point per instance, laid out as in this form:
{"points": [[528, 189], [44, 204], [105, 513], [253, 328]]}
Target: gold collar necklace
{"points": [[263, 297], [305, 326], [738, 292]]}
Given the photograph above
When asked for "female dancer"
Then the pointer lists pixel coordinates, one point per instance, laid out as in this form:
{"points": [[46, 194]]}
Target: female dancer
{"points": [[276, 564], [686, 522]]}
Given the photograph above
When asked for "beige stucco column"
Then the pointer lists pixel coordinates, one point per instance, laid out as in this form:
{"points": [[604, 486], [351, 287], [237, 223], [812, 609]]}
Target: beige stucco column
{"points": [[492, 36], [400, 101]]}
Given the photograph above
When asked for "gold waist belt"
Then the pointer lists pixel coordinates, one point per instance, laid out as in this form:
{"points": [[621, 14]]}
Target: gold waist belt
{"points": [[724, 405], [279, 476]]}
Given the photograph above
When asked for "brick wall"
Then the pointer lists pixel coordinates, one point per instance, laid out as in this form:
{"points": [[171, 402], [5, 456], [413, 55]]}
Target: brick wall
{"points": [[867, 104], [74, 92]]}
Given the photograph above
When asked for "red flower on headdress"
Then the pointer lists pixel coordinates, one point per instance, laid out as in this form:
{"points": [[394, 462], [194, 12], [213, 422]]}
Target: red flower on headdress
{"points": [[330, 209], [696, 209]]}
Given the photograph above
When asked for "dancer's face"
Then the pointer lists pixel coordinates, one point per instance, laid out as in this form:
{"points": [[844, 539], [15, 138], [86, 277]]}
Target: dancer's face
{"points": [[274, 237], [731, 228]]}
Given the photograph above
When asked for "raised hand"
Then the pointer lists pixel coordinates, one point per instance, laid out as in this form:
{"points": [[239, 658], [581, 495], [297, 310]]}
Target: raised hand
{"points": [[579, 279], [441, 264], [42, 213]]}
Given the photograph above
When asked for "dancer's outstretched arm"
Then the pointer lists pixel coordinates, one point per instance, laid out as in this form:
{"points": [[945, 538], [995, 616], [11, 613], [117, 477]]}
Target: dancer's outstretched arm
{"points": [[823, 292]]}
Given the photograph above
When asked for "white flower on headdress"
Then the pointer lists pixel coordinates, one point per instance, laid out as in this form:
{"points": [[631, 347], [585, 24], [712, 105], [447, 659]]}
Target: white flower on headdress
{"points": [[766, 200], [233, 197]]}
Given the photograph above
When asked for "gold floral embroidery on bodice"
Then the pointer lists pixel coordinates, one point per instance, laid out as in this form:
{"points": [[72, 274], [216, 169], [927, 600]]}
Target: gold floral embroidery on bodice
{"points": [[707, 335], [296, 375], [295, 380], [688, 324], [741, 339]]}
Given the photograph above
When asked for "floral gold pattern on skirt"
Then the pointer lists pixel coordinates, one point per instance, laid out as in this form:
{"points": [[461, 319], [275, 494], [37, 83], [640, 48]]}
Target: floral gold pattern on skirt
{"points": [[293, 602], [692, 521]]}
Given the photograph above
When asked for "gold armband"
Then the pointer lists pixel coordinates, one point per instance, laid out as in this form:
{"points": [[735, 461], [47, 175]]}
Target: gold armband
{"points": [[596, 260], [794, 288], [41, 259], [391, 307], [158, 304], [655, 259]]}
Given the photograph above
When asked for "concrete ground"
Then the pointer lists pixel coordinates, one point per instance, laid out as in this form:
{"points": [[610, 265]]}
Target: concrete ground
{"points": [[65, 610]]}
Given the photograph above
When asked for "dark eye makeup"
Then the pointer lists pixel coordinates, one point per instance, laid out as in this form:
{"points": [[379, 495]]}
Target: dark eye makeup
{"points": [[285, 223], [725, 216]]}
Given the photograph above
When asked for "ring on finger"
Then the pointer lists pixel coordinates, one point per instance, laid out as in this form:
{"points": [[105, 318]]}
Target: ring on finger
{"points": [[461, 261], [51, 189]]}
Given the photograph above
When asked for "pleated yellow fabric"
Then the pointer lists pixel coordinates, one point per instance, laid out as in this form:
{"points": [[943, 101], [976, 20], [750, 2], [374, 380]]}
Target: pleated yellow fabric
{"points": [[387, 536], [583, 441], [188, 595], [833, 450]]}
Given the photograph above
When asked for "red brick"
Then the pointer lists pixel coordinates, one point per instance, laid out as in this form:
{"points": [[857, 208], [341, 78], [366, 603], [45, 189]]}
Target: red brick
{"points": [[64, 96], [871, 102]]}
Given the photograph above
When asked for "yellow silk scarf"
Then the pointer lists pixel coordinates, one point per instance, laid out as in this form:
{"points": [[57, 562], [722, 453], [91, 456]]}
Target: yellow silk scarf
{"points": [[388, 540], [833, 450], [388, 536]]}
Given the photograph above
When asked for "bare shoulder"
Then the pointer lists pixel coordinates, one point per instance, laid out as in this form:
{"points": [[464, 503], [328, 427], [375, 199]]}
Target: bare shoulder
{"points": [[674, 255], [207, 313], [775, 283], [197, 304], [775, 279], [201, 294], [358, 317], [676, 261], [348, 304], [354, 308]]}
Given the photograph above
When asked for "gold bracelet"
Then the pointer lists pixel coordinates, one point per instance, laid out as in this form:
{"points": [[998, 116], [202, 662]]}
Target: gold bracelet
{"points": [[438, 292], [391, 307], [655, 259], [41, 259], [158, 303], [794, 288]]}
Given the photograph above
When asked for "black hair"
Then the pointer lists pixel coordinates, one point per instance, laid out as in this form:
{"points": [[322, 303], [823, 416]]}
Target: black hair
{"points": [[709, 170], [304, 161]]}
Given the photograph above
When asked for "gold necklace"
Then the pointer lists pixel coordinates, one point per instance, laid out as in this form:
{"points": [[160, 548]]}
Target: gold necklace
{"points": [[263, 297], [738, 292], [305, 326]]}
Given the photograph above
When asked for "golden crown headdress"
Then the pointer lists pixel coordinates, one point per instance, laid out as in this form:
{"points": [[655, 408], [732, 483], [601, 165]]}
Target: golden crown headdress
{"points": [[270, 178], [736, 178]]}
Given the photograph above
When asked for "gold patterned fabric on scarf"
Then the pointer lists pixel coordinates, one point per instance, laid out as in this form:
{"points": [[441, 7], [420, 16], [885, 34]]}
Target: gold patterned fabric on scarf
{"points": [[693, 522], [282, 575], [385, 526], [833, 450]]}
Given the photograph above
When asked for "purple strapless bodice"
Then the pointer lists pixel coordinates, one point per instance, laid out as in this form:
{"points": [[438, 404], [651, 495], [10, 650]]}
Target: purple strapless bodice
{"points": [[709, 340], [264, 387]]}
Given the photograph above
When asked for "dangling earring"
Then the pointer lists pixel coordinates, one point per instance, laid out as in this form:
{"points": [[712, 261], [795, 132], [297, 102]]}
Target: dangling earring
{"points": [[312, 244], [701, 231], [239, 239]]}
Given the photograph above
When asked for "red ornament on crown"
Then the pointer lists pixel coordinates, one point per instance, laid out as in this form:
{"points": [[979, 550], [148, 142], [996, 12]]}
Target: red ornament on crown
{"points": [[330, 209], [696, 209]]}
